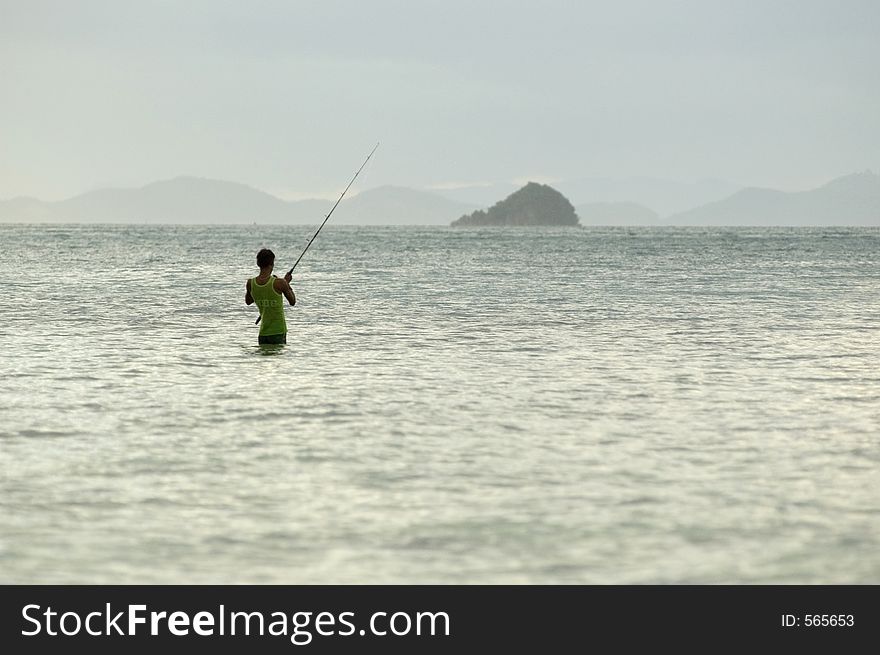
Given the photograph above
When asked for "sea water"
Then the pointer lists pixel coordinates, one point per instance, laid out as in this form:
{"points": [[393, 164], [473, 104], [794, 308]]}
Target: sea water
{"points": [[453, 406]]}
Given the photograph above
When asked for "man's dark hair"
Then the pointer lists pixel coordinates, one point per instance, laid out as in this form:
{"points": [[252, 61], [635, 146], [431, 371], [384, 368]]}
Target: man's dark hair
{"points": [[265, 258]]}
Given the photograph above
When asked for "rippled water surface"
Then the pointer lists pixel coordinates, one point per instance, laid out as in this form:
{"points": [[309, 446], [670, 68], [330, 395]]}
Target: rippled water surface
{"points": [[528, 406]]}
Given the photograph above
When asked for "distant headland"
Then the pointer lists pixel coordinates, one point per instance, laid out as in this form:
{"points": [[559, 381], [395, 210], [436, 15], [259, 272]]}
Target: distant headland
{"points": [[534, 204]]}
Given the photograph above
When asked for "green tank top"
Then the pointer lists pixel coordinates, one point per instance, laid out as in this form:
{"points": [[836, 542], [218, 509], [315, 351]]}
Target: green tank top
{"points": [[271, 306]]}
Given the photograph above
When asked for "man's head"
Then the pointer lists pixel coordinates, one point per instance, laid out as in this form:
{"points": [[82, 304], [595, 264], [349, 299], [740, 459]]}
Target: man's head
{"points": [[265, 258]]}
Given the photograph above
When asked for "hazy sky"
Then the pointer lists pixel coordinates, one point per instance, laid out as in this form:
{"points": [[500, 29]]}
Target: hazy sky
{"points": [[290, 96]]}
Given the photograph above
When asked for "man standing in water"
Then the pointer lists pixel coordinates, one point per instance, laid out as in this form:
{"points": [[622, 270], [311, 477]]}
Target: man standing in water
{"points": [[266, 290]]}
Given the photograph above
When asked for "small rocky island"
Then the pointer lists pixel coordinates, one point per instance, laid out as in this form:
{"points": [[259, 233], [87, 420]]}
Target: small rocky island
{"points": [[534, 204]]}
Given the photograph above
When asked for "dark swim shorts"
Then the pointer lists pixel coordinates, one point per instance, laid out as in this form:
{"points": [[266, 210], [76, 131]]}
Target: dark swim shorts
{"points": [[273, 338]]}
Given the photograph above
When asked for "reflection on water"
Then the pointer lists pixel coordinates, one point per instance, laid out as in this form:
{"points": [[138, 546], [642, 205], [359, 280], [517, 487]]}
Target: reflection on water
{"points": [[269, 349]]}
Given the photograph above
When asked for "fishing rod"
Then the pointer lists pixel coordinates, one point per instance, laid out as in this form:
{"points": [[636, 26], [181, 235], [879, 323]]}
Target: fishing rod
{"points": [[327, 217]]}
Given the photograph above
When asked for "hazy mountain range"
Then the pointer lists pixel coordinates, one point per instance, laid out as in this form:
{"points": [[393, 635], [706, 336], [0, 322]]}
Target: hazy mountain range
{"points": [[198, 200], [849, 200]]}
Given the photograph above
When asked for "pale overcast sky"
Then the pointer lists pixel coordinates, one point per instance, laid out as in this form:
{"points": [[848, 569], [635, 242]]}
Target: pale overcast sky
{"points": [[290, 96]]}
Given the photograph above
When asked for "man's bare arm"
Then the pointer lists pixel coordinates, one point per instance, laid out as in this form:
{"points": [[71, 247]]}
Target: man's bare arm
{"points": [[282, 285], [248, 298]]}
